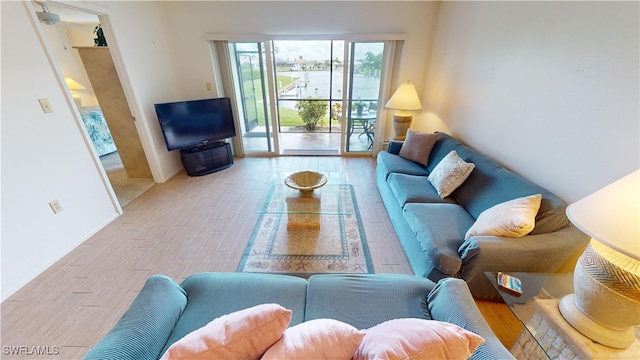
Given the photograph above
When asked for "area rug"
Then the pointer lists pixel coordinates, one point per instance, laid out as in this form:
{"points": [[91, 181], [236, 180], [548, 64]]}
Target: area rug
{"points": [[325, 235]]}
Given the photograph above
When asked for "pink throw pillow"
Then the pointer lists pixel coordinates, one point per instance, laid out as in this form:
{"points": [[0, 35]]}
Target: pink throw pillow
{"points": [[244, 334], [417, 339], [317, 339]]}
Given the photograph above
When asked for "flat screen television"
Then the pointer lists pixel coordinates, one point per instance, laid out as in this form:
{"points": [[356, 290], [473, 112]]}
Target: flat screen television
{"points": [[195, 122]]}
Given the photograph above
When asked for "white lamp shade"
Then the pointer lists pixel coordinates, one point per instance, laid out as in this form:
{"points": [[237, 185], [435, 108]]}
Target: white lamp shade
{"points": [[72, 84], [611, 215], [405, 98]]}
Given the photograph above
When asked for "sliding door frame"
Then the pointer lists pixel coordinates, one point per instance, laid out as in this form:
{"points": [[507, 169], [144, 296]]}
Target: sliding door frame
{"points": [[389, 70]]}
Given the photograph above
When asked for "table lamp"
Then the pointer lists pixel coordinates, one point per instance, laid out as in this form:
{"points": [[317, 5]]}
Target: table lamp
{"points": [[74, 85], [605, 306], [403, 100]]}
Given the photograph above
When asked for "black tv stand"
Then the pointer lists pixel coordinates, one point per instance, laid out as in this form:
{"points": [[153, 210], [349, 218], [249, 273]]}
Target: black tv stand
{"points": [[207, 158]]}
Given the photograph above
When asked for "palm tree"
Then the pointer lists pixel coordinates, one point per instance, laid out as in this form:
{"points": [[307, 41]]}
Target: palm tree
{"points": [[371, 64]]}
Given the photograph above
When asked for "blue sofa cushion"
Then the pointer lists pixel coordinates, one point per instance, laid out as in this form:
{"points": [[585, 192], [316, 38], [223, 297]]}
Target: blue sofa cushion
{"points": [[413, 189], [212, 295], [144, 328], [444, 144], [350, 298], [440, 230], [490, 184], [389, 163], [552, 215]]}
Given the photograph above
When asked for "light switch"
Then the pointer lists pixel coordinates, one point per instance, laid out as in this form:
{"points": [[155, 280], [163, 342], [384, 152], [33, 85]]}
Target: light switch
{"points": [[46, 106], [55, 206]]}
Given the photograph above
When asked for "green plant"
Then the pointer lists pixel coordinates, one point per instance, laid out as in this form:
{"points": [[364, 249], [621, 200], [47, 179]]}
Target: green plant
{"points": [[359, 105], [336, 112], [99, 40], [311, 111]]}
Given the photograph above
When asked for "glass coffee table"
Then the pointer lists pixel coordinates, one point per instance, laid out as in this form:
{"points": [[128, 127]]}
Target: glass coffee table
{"points": [[547, 335], [305, 210]]}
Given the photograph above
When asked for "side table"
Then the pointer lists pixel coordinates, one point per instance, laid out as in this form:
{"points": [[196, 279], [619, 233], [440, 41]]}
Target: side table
{"points": [[547, 335]]}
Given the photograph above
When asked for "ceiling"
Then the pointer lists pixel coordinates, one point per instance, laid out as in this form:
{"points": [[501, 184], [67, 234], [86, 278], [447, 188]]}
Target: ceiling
{"points": [[68, 15]]}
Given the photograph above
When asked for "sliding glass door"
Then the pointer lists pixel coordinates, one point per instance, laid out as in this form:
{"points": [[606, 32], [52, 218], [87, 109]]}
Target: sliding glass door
{"points": [[365, 69], [324, 97], [309, 83], [247, 88], [249, 74]]}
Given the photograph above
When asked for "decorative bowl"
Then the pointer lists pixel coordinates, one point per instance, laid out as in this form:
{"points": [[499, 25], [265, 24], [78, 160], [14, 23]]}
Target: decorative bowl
{"points": [[305, 181]]}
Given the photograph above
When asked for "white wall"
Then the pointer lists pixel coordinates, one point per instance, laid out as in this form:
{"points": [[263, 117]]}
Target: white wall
{"points": [[190, 21], [44, 157], [549, 89]]}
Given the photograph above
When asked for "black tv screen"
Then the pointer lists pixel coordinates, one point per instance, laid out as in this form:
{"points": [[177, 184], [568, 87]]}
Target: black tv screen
{"points": [[196, 122]]}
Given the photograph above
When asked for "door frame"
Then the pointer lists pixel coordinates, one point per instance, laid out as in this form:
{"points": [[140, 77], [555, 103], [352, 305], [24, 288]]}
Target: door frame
{"points": [[103, 16], [390, 68]]}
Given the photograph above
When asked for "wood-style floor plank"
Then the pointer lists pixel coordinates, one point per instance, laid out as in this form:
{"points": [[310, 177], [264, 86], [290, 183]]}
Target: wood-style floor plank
{"points": [[184, 226]]}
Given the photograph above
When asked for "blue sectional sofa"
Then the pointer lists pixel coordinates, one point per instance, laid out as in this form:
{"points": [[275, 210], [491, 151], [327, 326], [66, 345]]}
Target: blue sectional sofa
{"points": [[431, 229], [164, 312]]}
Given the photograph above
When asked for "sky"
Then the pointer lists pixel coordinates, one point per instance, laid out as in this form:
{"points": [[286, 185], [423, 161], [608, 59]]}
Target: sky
{"points": [[320, 49]]}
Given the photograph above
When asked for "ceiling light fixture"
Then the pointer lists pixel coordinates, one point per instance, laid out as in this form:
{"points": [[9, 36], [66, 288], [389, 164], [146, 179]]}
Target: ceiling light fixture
{"points": [[45, 15]]}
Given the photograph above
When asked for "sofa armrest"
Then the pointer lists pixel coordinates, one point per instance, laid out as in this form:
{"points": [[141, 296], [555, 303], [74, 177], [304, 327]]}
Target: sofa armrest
{"points": [[451, 301], [144, 328], [542, 253]]}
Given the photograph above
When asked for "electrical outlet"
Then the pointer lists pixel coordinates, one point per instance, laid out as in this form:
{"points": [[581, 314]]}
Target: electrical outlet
{"points": [[46, 106], [208, 86], [55, 206]]}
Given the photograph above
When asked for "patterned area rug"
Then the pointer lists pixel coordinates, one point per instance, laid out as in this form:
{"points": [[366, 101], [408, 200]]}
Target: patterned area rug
{"points": [[308, 234]]}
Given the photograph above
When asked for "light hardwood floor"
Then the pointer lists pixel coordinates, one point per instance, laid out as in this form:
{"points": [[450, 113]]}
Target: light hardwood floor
{"points": [[184, 226]]}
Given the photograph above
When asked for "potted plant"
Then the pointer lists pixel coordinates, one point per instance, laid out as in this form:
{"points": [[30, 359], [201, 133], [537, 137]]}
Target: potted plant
{"points": [[359, 105], [99, 40]]}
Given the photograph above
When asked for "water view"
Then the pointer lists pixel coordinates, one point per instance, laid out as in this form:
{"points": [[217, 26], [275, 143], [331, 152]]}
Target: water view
{"points": [[320, 83]]}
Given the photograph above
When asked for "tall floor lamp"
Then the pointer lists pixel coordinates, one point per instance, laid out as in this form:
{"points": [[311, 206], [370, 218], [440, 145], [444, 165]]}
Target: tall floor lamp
{"points": [[605, 305]]}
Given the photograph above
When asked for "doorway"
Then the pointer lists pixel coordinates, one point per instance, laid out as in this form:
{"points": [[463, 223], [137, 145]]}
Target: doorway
{"points": [[92, 98]]}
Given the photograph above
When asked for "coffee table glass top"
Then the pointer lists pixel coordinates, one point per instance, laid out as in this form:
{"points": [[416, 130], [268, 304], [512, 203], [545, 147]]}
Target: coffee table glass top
{"points": [[537, 309], [538, 285], [280, 199], [533, 342]]}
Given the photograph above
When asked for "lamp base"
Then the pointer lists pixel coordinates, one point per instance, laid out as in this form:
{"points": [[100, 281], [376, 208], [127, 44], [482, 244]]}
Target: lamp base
{"points": [[619, 339], [401, 123]]}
